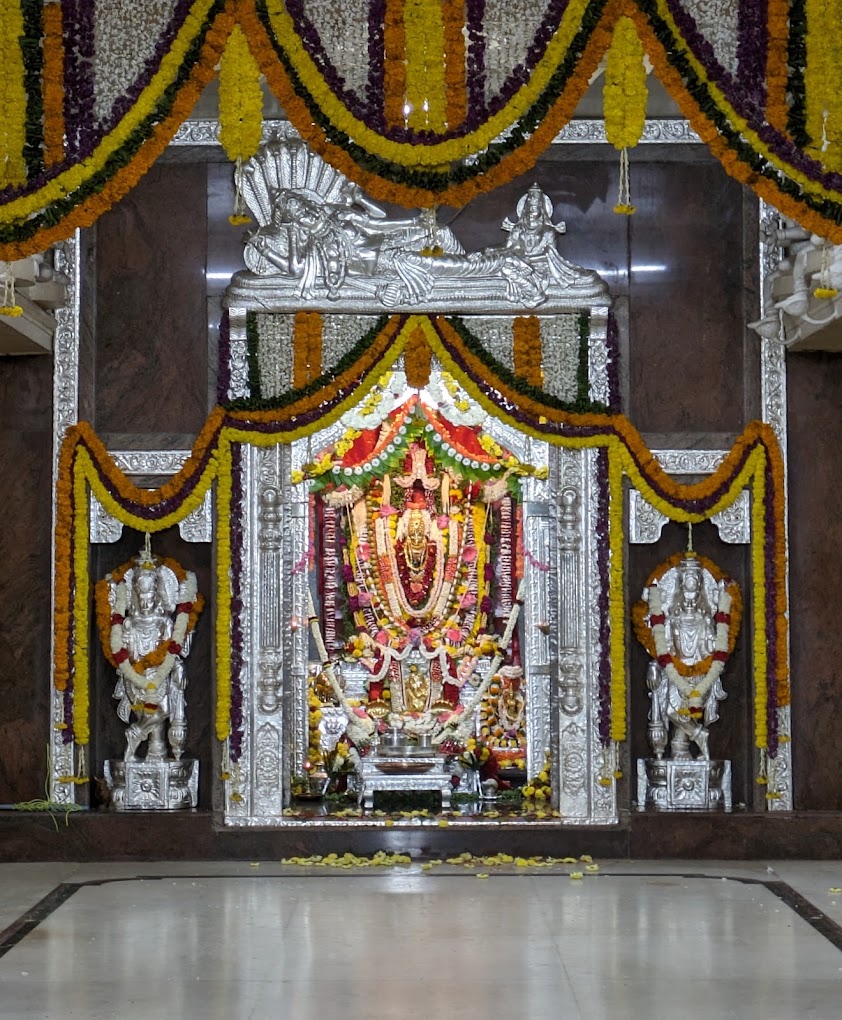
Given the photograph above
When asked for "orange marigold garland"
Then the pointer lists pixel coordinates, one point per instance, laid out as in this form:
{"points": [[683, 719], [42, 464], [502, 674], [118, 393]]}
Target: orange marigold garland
{"points": [[526, 349], [53, 87]]}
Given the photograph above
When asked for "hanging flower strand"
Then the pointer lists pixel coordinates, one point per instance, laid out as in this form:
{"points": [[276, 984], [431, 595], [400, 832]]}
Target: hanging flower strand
{"points": [[624, 99], [240, 112], [9, 305], [825, 288]]}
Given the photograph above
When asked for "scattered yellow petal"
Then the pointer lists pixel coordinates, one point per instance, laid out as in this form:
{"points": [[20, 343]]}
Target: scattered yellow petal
{"points": [[443, 823], [592, 867], [482, 874], [254, 864], [389, 823], [586, 857], [835, 889], [568, 860], [576, 874]]}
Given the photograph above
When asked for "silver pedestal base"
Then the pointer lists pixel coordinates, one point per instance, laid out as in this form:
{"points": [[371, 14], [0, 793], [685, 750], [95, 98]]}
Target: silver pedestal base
{"points": [[692, 784], [153, 785], [432, 774]]}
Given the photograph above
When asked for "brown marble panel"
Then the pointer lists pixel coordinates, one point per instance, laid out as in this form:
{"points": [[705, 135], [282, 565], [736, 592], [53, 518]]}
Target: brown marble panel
{"points": [[151, 317], [815, 465], [686, 297], [25, 448], [25, 599]]}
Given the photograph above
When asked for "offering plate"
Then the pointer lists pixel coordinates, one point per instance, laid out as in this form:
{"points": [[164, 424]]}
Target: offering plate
{"points": [[405, 751], [406, 764]]}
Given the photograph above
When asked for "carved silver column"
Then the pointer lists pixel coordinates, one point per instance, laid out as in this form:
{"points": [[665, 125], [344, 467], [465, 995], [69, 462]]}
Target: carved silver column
{"points": [[65, 413], [773, 402]]}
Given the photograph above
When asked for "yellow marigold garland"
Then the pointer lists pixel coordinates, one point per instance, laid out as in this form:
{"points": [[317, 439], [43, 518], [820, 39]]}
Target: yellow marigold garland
{"points": [[624, 98], [240, 110], [12, 95], [707, 132], [67, 182], [746, 464], [822, 73]]}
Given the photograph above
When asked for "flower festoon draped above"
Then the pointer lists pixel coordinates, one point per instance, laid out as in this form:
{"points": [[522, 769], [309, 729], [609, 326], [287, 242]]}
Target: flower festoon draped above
{"points": [[420, 101]]}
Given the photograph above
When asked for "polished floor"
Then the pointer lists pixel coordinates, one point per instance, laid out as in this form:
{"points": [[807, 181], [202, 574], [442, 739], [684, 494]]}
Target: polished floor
{"points": [[675, 940]]}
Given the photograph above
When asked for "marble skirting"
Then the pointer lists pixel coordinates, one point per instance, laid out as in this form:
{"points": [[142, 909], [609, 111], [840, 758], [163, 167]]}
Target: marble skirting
{"points": [[108, 836]]}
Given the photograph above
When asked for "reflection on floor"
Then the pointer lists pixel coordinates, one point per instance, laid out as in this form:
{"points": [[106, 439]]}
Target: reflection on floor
{"points": [[471, 938]]}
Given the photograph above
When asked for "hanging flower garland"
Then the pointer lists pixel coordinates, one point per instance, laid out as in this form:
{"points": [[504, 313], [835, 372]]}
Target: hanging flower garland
{"points": [[624, 97], [754, 461], [240, 111], [77, 194], [12, 95]]}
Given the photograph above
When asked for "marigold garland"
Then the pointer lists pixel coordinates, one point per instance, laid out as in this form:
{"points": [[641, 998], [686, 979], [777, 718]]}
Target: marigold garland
{"points": [[624, 99], [12, 95], [754, 460], [526, 348], [505, 144], [84, 191], [307, 349], [53, 87], [417, 359], [240, 99]]}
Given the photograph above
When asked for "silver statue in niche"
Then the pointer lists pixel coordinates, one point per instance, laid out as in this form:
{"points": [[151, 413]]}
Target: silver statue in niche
{"points": [[321, 239], [687, 619], [153, 606]]}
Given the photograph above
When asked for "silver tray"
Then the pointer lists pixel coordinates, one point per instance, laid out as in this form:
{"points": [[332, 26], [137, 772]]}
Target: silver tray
{"points": [[406, 765], [406, 751]]}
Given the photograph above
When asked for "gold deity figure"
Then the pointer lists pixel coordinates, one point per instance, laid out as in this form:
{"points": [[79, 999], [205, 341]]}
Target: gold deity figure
{"points": [[416, 690], [415, 548]]}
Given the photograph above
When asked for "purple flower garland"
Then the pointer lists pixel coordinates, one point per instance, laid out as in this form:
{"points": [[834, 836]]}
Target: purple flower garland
{"points": [[752, 49], [78, 33], [602, 558], [475, 63], [235, 741], [612, 346], [223, 378]]}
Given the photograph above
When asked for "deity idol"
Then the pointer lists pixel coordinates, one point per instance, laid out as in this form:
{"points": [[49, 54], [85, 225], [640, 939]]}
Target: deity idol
{"points": [[684, 676], [153, 606]]}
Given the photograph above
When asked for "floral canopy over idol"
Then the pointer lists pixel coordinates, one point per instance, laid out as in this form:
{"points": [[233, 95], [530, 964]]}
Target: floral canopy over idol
{"points": [[418, 554]]}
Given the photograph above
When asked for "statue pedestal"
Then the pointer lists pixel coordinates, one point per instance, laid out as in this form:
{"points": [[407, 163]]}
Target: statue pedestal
{"points": [[692, 784], [153, 785]]}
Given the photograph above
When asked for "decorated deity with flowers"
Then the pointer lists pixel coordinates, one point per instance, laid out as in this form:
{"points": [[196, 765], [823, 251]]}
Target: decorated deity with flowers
{"points": [[418, 549]]}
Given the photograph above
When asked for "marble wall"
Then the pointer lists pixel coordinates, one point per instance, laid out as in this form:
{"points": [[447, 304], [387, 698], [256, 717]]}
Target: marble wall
{"points": [[682, 271]]}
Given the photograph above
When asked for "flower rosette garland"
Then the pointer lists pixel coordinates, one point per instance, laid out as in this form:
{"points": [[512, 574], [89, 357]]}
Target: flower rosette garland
{"points": [[693, 682]]}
